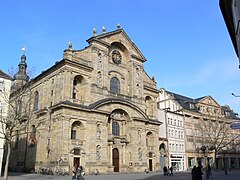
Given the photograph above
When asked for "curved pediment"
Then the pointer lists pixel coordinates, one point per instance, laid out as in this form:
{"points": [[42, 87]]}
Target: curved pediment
{"points": [[107, 101]]}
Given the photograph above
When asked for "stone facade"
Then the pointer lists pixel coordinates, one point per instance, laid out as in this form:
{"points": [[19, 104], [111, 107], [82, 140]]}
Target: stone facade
{"points": [[97, 108], [207, 130]]}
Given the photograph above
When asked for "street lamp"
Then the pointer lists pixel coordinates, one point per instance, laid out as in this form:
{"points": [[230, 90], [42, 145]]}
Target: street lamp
{"points": [[224, 151], [205, 150], [235, 95]]}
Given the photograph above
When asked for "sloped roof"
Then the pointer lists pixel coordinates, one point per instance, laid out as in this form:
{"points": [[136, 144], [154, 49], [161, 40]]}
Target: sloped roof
{"points": [[4, 75], [231, 113], [184, 101]]}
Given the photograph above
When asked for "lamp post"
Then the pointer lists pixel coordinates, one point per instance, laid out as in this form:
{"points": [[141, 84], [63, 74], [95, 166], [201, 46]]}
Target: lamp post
{"points": [[235, 95], [224, 151], [205, 150]]}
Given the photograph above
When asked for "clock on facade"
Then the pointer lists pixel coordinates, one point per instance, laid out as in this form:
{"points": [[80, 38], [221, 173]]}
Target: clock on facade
{"points": [[116, 57]]}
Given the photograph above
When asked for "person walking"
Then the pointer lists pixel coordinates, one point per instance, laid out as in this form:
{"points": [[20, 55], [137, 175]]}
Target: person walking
{"points": [[74, 171], [198, 172], [168, 171], [171, 171], [193, 172], [165, 170]]}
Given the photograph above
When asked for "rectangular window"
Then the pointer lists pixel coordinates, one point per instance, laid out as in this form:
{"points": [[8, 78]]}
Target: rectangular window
{"points": [[51, 92], [168, 120]]}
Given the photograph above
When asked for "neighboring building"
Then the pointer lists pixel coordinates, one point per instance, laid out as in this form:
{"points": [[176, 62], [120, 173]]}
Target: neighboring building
{"points": [[97, 108], [170, 112], [231, 14], [5, 85], [206, 123]]}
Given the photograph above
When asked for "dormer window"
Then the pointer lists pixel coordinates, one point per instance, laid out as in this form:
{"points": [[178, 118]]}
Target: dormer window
{"points": [[227, 113], [191, 105]]}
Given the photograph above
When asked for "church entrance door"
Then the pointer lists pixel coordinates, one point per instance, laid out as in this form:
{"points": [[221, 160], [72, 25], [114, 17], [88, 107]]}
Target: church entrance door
{"points": [[115, 154]]}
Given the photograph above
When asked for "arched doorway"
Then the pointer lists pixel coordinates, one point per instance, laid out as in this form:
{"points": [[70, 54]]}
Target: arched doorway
{"points": [[115, 156]]}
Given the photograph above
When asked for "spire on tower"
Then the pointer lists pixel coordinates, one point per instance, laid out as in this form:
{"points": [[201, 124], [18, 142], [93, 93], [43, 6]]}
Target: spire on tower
{"points": [[21, 77]]}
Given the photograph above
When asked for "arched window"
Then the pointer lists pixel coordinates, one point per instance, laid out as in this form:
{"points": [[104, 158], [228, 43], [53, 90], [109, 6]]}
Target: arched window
{"points": [[76, 131], [149, 139], [73, 132], [36, 99], [115, 85], [115, 128], [162, 147]]}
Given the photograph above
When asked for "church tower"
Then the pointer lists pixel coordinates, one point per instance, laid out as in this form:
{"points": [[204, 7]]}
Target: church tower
{"points": [[21, 77]]}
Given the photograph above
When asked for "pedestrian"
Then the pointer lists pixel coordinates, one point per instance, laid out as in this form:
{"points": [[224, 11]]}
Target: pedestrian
{"points": [[74, 171], [193, 172], [209, 173], [198, 172], [168, 171], [171, 171], [164, 170]]}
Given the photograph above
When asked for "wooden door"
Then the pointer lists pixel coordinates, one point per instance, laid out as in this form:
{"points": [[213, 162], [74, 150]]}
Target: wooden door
{"points": [[76, 161], [150, 165], [115, 154]]}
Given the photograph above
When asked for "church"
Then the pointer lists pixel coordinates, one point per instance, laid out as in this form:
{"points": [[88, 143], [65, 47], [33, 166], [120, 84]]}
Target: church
{"points": [[97, 108]]}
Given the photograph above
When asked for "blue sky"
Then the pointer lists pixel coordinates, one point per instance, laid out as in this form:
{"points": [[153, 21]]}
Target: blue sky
{"points": [[186, 42]]}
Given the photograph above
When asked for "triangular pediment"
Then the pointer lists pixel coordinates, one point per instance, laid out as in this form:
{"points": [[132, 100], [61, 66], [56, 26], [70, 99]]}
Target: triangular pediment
{"points": [[207, 101], [118, 36]]}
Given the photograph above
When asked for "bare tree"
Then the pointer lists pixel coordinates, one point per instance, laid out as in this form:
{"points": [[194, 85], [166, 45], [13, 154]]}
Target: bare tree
{"points": [[218, 135], [18, 119]]}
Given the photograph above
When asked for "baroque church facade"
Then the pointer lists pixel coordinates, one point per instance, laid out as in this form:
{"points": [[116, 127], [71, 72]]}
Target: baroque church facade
{"points": [[97, 108]]}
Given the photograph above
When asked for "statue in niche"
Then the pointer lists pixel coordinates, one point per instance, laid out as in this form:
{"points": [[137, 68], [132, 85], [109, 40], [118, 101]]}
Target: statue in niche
{"points": [[139, 136], [137, 73], [98, 153], [139, 154], [32, 136], [98, 132], [99, 59], [99, 78]]}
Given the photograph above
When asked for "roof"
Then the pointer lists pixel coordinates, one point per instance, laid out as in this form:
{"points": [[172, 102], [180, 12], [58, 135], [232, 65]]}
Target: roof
{"points": [[231, 114], [226, 8], [4, 75], [186, 102]]}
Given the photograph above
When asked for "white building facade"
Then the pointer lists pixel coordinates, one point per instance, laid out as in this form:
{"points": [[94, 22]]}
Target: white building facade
{"points": [[5, 85], [172, 129]]}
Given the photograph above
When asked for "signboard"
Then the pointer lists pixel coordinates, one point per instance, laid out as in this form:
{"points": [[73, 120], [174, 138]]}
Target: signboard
{"points": [[235, 126]]}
